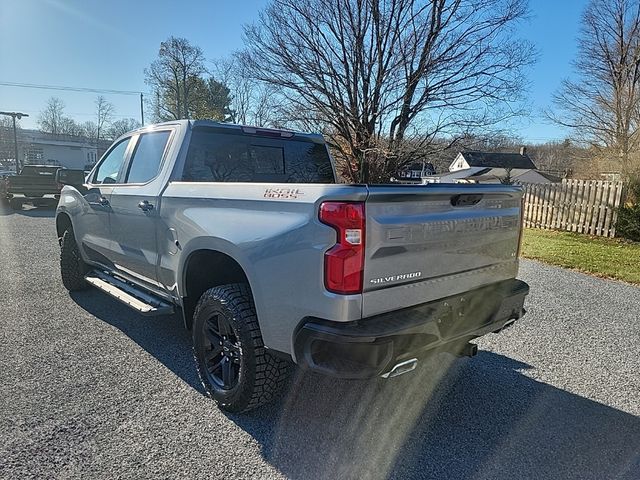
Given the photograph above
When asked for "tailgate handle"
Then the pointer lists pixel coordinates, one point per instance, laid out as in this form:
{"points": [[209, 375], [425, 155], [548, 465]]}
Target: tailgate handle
{"points": [[465, 200]]}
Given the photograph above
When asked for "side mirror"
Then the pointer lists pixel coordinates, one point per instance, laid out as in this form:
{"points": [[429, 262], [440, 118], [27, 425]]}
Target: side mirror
{"points": [[67, 176]]}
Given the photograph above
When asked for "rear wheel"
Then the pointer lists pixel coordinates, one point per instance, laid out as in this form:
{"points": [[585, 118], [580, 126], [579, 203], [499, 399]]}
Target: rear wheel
{"points": [[234, 366], [72, 267]]}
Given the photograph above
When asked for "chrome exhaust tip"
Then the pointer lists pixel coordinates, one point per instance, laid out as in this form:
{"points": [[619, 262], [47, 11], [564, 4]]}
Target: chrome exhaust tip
{"points": [[402, 367]]}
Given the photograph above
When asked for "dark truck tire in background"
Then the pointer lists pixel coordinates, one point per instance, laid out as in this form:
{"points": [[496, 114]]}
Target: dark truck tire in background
{"points": [[72, 267], [16, 203], [234, 366]]}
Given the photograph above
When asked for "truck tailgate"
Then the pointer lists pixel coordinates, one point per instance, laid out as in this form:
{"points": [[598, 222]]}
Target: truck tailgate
{"points": [[33, 184], [433, 241]]}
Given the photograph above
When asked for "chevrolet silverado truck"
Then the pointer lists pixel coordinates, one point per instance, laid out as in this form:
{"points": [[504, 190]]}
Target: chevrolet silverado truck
{"points": [[246, 235], [33, 183]]}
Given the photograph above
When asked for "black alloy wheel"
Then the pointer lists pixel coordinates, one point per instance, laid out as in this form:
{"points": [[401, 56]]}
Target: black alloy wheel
{"points": [[223, 354]]}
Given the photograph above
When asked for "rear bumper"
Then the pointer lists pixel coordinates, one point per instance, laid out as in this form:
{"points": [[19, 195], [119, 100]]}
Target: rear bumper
{"points": [[32, 193], [372, 346]]}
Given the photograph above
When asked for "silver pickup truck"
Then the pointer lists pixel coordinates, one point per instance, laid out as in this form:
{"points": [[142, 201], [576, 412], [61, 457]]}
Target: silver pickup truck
{"points": [[244, 232]]}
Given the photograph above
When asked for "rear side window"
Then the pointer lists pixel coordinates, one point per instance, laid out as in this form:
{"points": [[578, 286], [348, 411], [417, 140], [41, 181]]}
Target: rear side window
{"points": [[147, 157], [225, 157]]}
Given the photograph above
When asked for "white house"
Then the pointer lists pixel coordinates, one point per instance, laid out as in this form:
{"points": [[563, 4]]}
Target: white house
{"points": [[65, 150], [465, 160], [489, 167]]}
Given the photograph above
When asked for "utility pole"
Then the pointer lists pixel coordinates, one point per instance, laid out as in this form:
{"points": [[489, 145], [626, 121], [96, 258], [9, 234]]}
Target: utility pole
{"points": [[141, 109], [15, 115]]}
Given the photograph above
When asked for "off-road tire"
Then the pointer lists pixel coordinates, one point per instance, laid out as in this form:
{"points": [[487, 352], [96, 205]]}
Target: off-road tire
{"points": [[72, 267], [261, 375], [16, 203]]}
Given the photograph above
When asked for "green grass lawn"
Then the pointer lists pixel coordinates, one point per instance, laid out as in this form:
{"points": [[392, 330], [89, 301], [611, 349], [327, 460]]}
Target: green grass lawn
{"points": [[603, 257]]}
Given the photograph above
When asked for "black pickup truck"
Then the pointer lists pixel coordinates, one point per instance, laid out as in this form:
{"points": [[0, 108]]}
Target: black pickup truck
{"points": [[33, 183]]}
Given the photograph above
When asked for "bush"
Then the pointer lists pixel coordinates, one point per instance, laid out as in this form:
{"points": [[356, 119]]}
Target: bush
{"points": [[628, 225]]}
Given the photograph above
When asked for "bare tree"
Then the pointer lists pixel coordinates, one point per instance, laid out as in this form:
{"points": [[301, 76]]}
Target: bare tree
{"points": [[252, 102], [378, 73], [602, 105], [560, 158], [90, 130], [104, 114], [173, 77], [52, 119], [69, 126], [122, 126]]}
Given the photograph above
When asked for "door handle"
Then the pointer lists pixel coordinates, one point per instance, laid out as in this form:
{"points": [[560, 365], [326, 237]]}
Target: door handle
{"points": [[145, 206]]}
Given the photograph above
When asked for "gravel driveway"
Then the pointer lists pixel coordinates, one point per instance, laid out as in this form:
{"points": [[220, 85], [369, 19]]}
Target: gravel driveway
{"points": [[90, 389]]}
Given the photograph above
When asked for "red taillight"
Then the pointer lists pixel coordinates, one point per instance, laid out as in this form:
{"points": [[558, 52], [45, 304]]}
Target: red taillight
{"points": [[344, 262]]}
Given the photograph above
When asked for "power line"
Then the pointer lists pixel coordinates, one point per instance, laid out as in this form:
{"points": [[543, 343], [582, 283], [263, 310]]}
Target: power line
{"points": [[80, 89], [69, 89], [81, 114]]}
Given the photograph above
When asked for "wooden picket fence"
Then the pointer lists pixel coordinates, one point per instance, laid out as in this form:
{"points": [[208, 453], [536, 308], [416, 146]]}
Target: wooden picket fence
{"points": [[583, 206]]}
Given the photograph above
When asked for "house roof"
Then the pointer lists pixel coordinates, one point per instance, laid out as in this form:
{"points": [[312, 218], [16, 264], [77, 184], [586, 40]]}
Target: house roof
{"points": [[550, 177], [414, 166], [498, 160]]}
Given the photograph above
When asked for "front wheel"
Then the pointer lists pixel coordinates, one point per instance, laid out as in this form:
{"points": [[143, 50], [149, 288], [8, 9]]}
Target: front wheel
{"points": [[234, 366], [72, 267]]}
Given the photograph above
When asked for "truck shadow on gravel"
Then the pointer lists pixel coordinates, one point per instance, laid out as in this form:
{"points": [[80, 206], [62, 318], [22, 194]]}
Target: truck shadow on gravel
{"points": [[163, 337], [471, 418]]}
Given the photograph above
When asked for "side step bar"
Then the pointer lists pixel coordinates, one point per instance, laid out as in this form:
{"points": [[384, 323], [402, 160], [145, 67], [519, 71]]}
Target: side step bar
{"points": [[139, 300]]}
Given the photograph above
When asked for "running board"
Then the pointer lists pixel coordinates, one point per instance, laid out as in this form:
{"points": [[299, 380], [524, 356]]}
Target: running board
{"points": [[139, 300]]}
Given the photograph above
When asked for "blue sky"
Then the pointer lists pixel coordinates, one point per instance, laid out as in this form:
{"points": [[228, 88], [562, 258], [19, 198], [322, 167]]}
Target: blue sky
{"points": [[107, 45]]}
